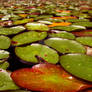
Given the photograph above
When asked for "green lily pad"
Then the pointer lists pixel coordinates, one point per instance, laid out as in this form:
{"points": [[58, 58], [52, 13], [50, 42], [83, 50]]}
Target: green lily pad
{"points": [[43, 17], [18, 91], [85, 40], [62, 34], [30, 52], [18, 22], [65, 45], [4, 42], [70, 28], [37, 26], [4, 54], [12, 30], [28, 37], [77, 20], [6, 83], [54, 20], [79, 65], [86, 24], [45, 22], [4, 64]]}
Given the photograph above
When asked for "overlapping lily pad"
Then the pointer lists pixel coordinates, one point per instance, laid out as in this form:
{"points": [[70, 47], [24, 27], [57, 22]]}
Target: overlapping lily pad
{"points": [[70, 28], [28, 37], [11, 30], [61, 34], [4, 54], [80, 65], [4, 42], [86, 24], [18, 22], [6, 83], [37, 26], [85, 40], [65, 45], [29, 53], [77, 20], [4, 64]]}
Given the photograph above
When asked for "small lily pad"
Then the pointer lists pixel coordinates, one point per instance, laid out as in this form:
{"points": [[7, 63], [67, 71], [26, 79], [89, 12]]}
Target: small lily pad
{"points": [[77, 20], [37, 26], [4, 64], [6, 83], [85, 40], [28, 37], [86, 24], [83, 33], [30, 52], [65, 45], [79, 65], [18, 22], [69, 28], [45, 22], [18, 91], [12, 30], [4, 54], [43, 17], [62, 34], [4, 42]]}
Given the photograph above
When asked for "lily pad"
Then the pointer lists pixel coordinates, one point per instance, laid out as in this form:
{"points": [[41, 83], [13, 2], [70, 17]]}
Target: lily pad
{"points": [[30, 52], [65, 45], [77, 20], [86, 24], [79, 65], [83, 33], [18, 22], [37, 26], [12, 30], [70, 28], [18, 91], [6, 83], [4, 64], [62, 34], [28, 37], [4, 42], [85, 40], [4, 54], [43, 17]]}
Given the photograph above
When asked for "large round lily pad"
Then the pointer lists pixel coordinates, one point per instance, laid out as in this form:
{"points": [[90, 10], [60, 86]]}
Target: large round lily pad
{"points": [[37, 26], [65, 45], [4, 42], [79, 65], [28, 37], [30, 52]]}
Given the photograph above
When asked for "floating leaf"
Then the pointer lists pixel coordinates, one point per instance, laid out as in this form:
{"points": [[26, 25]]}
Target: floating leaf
{"points": [[65, 45], [11, 30], [4, 42], [61, 34], [79, 65], [30, 52], [70, 28], [85, 40], [37, 26], [28, 37], [60, 24], [6, 83]]}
